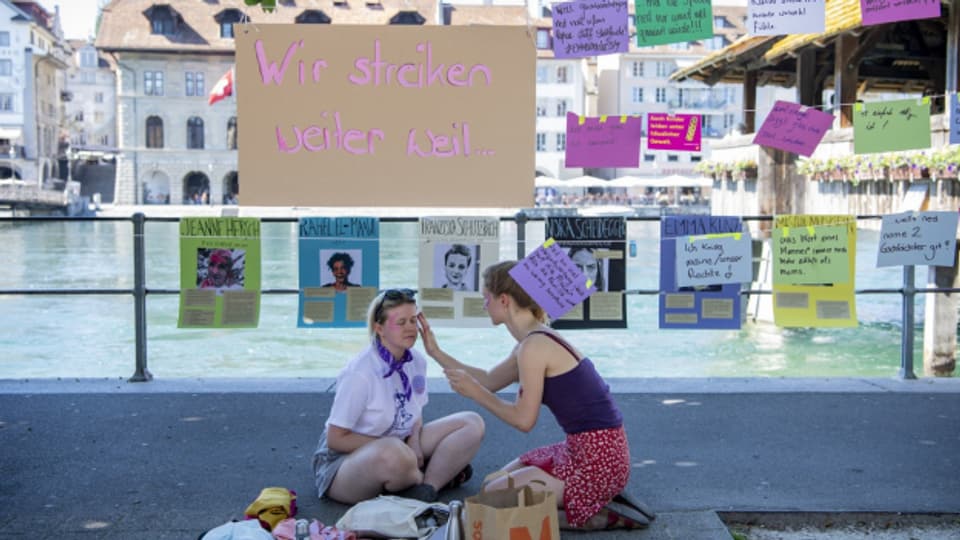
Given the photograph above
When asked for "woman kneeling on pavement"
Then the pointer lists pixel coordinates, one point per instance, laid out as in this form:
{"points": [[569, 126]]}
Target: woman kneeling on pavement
{"points": [[374, 440], [592, 465]]}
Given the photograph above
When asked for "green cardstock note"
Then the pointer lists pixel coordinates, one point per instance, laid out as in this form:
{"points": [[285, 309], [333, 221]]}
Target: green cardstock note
{"points": [[673, 21], [811, 255], [887, 126]]}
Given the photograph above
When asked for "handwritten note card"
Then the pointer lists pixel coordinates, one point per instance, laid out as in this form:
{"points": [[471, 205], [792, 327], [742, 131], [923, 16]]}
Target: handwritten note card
{"points": [[673, 21], [714, 259], [887, 11], [552, 279], [955, 118], [917, 238], [794, 128], [673, 132], [810, 255], [887, 126], [588, 28], [604, 141], [779, 17]]}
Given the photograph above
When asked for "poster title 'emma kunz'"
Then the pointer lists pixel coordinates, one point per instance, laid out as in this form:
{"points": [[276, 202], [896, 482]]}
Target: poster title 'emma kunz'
{"points": [[375, 71]]}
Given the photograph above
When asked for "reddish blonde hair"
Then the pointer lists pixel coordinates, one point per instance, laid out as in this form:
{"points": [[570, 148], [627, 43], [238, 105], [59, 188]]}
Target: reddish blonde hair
{"points": [[497, 280]]}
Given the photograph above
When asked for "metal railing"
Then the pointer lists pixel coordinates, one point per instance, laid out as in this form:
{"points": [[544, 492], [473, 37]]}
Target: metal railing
{"points": [[140, 290]]}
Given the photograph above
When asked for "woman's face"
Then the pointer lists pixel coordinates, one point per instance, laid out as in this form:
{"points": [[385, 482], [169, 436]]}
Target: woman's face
{"points": [[399, 329], [339, 271], [456, 268], [587, 264]]}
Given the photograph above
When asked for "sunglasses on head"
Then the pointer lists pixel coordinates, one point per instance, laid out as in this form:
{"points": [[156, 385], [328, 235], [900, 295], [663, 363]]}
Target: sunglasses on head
{"points": [[393, 295]]}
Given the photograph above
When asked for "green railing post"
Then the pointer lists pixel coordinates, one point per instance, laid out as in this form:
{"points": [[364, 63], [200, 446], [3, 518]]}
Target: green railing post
{"points": [[141, 373], [906, 333]]}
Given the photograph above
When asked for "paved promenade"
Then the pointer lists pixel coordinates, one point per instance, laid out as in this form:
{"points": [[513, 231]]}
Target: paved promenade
{"points": [[111, 460]]}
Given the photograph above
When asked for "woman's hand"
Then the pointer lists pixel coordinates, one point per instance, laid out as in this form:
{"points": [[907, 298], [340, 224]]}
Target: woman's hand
{"points": [[426, 335], [463, 383]]}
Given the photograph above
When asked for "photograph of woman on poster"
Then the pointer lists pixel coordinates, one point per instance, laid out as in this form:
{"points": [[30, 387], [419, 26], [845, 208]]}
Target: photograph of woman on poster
{"points": [[455, 267], [591, 266], [220, 268], [338, 267]]}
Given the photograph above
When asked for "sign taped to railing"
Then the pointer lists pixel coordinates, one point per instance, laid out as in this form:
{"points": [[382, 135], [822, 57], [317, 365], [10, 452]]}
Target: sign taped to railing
{"points": [[918, 238]]}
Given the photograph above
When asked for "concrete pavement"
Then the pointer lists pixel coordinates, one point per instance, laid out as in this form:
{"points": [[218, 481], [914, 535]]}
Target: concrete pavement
{"points": [[168, 459]]}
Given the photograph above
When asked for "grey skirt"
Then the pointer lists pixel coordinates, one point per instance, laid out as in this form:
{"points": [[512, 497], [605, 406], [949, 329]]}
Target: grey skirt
{"points": [[326, 463]]}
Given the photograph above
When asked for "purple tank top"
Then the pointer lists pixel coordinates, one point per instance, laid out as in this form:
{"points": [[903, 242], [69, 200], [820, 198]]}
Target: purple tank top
{"points": [[579, 399]]}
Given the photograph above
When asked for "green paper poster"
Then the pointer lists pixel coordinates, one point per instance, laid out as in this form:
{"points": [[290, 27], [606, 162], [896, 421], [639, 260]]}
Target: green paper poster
{"points": [[219, 272], [811, 255], [887, 126], [673, 21]]}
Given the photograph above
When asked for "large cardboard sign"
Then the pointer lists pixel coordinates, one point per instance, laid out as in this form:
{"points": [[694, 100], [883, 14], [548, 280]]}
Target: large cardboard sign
{"points": [[386, 115]]}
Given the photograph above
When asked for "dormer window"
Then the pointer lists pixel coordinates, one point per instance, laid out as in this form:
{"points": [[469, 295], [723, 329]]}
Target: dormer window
{"points": [[226, 19], [407, 17], [312, 16], [374, 5], [163, 20], [342, 4]]}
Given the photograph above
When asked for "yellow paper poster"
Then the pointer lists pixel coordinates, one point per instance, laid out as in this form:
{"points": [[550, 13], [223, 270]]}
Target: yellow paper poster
{"points": [[819, 305]]}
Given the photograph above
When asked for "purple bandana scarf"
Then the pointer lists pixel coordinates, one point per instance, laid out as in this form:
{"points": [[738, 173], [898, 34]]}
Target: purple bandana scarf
{"points": [[396, 366]]}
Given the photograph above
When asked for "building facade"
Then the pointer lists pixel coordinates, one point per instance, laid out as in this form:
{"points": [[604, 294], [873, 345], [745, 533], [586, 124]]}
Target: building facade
{"points": [[91, 104]]}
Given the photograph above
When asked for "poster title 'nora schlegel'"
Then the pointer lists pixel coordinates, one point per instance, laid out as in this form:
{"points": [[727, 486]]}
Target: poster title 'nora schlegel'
{"points": [[374, 71]]}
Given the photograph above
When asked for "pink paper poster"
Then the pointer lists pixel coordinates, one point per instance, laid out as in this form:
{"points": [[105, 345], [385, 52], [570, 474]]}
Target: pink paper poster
{"points": [[793, 128], [605, 141], [886, 11], [673, 132]]}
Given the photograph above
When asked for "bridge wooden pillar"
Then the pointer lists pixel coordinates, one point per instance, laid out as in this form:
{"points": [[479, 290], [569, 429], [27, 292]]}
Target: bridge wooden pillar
{"points": [[846, 71], [749, 102]]}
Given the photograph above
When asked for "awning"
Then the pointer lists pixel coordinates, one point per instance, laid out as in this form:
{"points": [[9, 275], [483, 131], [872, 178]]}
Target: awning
{"points": [[10, 132]]}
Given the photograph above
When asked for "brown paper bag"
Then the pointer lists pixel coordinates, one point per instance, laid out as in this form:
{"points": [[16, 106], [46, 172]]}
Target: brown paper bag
{"points": [[514, 513]]}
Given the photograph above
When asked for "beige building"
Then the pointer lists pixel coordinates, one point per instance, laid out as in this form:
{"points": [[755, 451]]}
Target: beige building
{"points": [[91, 104]]}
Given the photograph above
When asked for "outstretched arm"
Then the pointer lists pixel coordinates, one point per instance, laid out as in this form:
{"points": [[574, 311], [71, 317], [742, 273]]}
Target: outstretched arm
{"points": [[498, 378]]}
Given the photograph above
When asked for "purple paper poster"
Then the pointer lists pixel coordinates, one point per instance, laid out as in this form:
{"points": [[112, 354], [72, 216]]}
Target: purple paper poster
{"points": [[884, 11], [955, 118], [603, 141], [793, 128], [587, 28], [673, 132], [552, 279]]}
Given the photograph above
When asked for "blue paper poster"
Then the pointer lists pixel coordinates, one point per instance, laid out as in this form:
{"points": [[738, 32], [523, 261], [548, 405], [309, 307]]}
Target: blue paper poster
{"points": [[339, 270], [703, 307]]}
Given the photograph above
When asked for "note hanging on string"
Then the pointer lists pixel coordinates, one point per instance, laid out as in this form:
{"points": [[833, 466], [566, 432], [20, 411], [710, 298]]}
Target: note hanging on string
{"points": [[955, 118], [714, 259], [661, 22], [810, 255], [781, 17], [918, 238], [586, 28], [604, 141], [884, 11], [793, 128], [887, 126], [673, 132], [551, 278]]}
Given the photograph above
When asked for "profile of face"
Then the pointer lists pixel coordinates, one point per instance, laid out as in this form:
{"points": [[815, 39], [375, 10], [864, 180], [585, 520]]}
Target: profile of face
{"points": [[586, 262]]}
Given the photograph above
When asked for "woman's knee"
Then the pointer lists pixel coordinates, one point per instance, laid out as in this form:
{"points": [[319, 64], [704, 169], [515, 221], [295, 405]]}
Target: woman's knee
{"points": [[473, 423], [394, 459]]}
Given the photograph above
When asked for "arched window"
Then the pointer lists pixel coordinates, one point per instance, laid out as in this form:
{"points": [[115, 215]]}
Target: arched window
{"points": [[154, 132], [195, 133], [312, 16], [232, 133], [407, 17], [227, 18]]}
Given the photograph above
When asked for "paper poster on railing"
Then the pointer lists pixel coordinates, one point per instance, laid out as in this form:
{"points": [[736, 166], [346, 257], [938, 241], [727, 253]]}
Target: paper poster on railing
{"points": [[825, 304], [584, 28], [918, 238], [887, 126], [339, 263], [219, 272], [714, 259], [810, 255], [453, 253], [716, 306], [552, 279], [597, 246], [604, 141], [955, 118], [794, 128], [884, 12]]}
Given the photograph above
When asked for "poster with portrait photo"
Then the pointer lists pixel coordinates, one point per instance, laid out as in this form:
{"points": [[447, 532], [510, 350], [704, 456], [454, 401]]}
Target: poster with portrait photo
{"points": [[597, 246], [453, 252], [339, 270], [219, 272]]}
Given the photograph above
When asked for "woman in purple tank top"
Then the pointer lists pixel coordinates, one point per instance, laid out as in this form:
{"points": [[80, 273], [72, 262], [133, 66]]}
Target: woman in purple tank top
{"points": [[591, 465]]}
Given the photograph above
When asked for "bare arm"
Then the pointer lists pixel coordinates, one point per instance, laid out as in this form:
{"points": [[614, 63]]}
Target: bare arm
{"points": [[499, 377], [344, 440]]}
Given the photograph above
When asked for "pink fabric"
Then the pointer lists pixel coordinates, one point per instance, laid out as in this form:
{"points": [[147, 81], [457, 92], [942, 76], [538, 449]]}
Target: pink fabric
{"points": [[287, 530]]}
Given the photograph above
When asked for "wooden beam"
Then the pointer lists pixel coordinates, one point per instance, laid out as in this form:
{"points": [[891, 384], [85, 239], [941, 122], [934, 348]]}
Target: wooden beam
{"points": [[845, 75], [806, 77], [749, 101]]}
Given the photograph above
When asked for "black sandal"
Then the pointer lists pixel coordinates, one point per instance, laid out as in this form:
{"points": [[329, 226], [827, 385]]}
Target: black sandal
{"points": [[460, 479]]}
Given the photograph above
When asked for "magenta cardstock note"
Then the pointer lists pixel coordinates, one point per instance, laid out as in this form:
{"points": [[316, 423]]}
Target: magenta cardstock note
{"points": [[673, 132], [552, 279], [587, 28], [886, 11], [793, 128], [604, 141], [955, 118]]}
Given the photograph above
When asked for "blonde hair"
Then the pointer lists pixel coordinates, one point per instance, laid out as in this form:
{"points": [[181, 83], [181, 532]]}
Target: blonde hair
{"points": [[497, 280], [384, 302]]}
